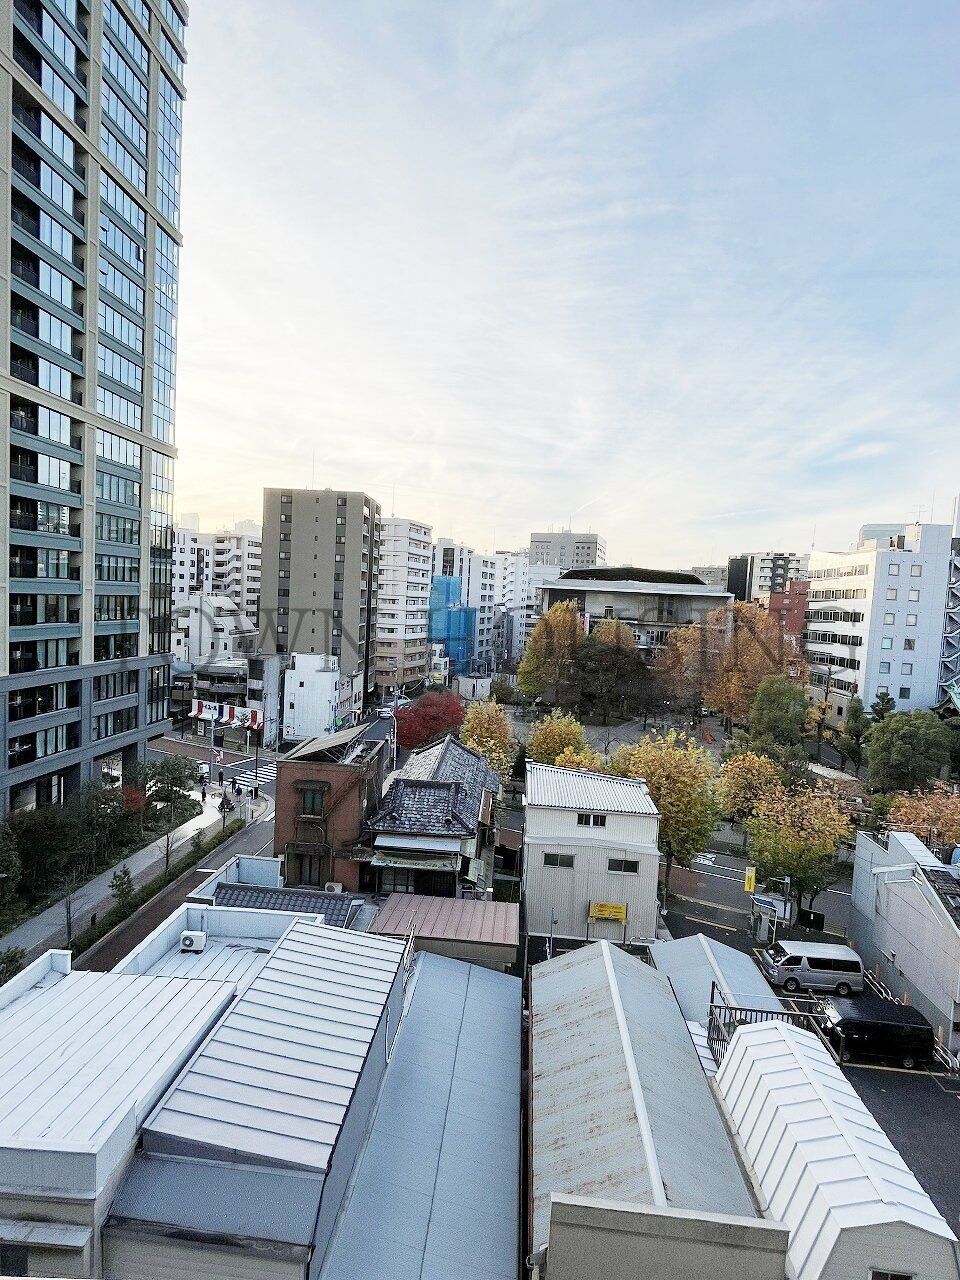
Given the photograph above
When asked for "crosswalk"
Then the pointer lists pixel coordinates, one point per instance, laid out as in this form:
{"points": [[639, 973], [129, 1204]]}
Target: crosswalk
{"points": [[267, 772]]}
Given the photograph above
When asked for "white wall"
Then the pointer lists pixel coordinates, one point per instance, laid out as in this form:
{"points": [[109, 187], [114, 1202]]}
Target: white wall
{"points": [[564, 894], [311, 691]]}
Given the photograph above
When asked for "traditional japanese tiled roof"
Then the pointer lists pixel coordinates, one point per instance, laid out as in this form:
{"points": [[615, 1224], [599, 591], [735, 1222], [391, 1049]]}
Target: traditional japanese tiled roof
{"points": [[439, 791]]}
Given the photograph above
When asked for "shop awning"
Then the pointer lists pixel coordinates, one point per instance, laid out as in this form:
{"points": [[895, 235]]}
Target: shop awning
{"points": [[414, 864], [418, 844]]}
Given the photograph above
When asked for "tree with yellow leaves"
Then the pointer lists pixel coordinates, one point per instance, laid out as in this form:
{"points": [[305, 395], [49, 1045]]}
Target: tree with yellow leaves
{"points": [[933, 816], [797, 834], [614, 632], [744, 781], [553, 735], [679, 775], [486, 730], [723, 658], [546, 659], [593, 761]]}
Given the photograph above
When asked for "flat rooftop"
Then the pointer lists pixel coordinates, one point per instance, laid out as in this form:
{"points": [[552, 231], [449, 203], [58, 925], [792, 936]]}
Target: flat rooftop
{"points": [[437, 1186], [83, 1055]]}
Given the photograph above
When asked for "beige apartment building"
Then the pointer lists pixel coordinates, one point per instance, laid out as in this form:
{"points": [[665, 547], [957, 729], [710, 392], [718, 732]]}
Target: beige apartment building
{"points": [[403, 602], [321, 552]]}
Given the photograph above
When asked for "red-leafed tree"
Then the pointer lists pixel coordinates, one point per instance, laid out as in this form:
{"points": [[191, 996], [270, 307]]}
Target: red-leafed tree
{"points": [[434, 713]]}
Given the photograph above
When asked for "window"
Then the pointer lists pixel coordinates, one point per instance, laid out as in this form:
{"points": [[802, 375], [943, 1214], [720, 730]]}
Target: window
{"points": [[591, 819], [913, 596], [889, 619], [312, 801], [909, 645], [884, 668], [13, 1259], [916, 571], [906, 668], [583, 819], [911, 619], [890, 1275], [623, 866], [891, 593], [558, 860], [886, 642], [882, 688], [904, 691], [893, 570]]}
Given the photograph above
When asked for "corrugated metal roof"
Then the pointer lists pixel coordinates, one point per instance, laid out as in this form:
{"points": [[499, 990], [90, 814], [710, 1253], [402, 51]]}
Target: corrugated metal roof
{"points": [[224, 959], [77, 1054], [820, 1158], [220, 1199], [556, 788], [437, 1186], [612, 1056], [459, 919], [275, 1078], [693, 964]]}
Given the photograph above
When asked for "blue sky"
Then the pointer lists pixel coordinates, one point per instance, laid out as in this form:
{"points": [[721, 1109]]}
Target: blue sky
{"points": [[684, 273]]}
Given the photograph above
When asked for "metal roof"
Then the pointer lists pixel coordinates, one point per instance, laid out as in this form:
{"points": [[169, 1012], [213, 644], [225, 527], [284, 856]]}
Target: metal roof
{"points": [[81, 1051], [436, 1191], [611, 1058], [556, 788], [275, 1079], [458, 919], [225, 959], [695, 963], [219, 1199], [823, 1163], [336, 908]]}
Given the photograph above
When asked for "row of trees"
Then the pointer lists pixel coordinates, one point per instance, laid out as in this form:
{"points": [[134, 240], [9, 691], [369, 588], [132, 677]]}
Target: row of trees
{"points": [[54, 848]]}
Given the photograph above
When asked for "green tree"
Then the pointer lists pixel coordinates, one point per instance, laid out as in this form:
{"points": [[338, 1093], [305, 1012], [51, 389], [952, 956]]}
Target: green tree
{"points": [[103, 823], [502, 691], [679, 775], [544, 667], [554, 734], [12, 961], [853, 739], [171, 782], [9, 874], [46, 841], [777, 716], [883, 706], [121, 886], [603, 673], [906, 751]]}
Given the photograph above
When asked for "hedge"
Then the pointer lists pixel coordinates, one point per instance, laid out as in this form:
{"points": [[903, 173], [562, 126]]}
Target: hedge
{"points": [[116, 915]]}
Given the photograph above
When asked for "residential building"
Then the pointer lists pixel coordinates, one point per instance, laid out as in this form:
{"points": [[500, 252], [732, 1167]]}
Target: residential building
{"points": [[653, 602], [714, 575], [208, 628], [321, 557], [192, 563], [439, 665], [511, 597], [433, 832], [478, 930], [563, 549], [311, 696], [477, 575], [905, 923], [326, 790], [92, 98], [877, 616], [403, 603], [591, 859], [789, 606], [774, 1169], [756, 573], [949, 691], [237, 568], [453, 626]]}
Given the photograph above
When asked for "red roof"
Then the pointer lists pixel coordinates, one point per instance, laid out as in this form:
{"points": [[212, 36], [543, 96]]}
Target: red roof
{"points": [[454, 919]]}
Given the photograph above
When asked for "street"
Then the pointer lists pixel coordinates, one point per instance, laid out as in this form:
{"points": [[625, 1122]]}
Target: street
{"points": [[720, 879]]}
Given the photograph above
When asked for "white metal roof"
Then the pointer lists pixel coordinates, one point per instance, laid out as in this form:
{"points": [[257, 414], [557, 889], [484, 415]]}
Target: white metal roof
{"points": [[84, 1054], [695, 963], [611, 1058], [556, 788], [276, 1077], [821, 1160]]}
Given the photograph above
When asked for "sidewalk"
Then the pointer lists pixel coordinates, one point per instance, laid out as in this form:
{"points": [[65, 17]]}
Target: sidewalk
{"points": [[49, 928]]}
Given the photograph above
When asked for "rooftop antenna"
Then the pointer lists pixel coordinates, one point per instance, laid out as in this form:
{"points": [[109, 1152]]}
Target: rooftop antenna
{"points": [[313, 470], [813, 540], [393, 501]]}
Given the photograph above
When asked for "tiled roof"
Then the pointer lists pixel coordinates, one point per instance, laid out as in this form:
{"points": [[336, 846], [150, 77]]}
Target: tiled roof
{"points": [[334, 907], [439, 791]]}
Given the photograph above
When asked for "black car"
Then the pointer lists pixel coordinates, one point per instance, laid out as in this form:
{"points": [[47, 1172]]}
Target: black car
{"points": [[869, 1027]]}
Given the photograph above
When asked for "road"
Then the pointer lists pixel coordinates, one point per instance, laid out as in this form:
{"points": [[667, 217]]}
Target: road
{"points": [[721, 883]]}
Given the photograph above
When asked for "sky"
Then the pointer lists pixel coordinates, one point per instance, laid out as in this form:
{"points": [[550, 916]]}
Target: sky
{"points": [[683, 273]]}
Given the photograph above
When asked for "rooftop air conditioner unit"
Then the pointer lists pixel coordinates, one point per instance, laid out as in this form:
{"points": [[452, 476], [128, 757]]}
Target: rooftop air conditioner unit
{"points": [[192, 941], [333, 886]]}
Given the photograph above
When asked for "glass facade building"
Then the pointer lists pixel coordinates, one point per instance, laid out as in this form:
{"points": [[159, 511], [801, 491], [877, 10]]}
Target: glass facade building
{"points": [[90, 131]]}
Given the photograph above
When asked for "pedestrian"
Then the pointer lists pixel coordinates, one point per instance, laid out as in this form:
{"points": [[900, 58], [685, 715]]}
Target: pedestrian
{"points": [[221, 777], [203, 793]]}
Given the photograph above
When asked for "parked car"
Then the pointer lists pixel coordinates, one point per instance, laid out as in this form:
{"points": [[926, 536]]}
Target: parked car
{"points": [[813, 966], [873, 1028]]}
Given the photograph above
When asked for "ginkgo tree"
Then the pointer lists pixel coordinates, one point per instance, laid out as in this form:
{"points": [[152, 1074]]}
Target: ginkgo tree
{"points": [[554, 734], [797, 834], [486, 730]]}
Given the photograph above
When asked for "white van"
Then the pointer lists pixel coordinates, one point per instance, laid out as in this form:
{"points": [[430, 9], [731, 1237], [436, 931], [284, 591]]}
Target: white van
{"points": [[813, 966]]}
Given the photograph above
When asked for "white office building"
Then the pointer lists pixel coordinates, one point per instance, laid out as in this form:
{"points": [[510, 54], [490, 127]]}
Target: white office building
{"points": [[222, 563], [564, 549], [403, 602], [876, 619], [477, 573], [511, 597], [312, 695], [591, 859], [211, 628]]}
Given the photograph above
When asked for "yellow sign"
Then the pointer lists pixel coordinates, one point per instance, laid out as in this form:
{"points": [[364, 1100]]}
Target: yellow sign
{"points": [[749, 879], [608, 911]]}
